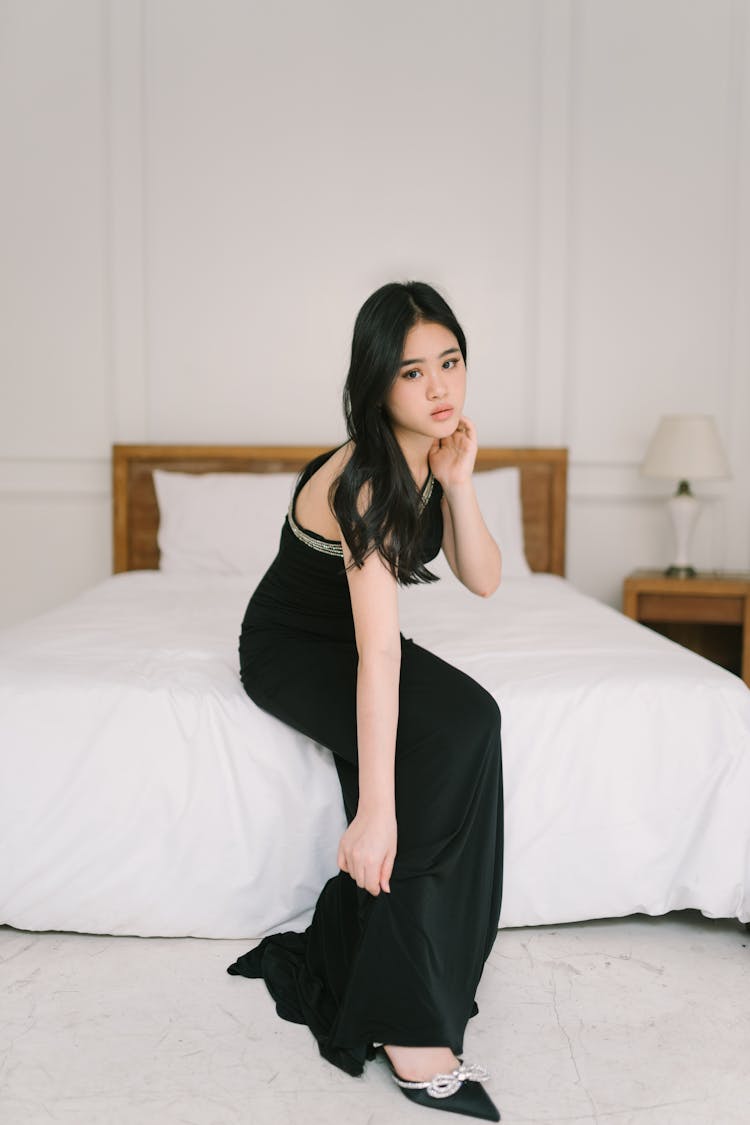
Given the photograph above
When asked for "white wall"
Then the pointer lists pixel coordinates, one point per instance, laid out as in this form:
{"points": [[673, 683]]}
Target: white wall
{"points": [[198, 196]]}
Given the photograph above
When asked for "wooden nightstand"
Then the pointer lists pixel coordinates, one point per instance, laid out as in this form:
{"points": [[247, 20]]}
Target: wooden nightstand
{"points": [[709, 614]]}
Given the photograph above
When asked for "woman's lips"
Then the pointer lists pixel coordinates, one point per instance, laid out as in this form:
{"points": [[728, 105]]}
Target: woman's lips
{"points": [[443, 413]]}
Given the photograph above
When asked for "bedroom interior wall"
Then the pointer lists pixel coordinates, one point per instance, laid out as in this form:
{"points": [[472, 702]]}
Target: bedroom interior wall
{"points": [[198, 198]]}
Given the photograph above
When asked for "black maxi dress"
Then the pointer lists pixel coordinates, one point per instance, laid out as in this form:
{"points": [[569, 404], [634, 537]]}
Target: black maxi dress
{"points": [[399, 967]]}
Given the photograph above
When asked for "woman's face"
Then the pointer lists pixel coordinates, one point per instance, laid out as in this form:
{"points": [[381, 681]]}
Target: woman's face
{"points": [[427, 396]]}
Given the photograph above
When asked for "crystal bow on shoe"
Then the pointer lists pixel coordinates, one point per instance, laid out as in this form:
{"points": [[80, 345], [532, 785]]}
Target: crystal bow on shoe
{"points": [[443, 1085]]}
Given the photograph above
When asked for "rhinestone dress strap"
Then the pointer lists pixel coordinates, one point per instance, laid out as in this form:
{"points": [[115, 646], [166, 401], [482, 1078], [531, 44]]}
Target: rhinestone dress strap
{"points": [[333, 546], [327, 546], [425, 496]]}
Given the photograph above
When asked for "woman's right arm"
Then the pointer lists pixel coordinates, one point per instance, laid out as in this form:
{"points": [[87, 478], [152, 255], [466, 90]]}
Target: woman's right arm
{"points": [[368, 847]]}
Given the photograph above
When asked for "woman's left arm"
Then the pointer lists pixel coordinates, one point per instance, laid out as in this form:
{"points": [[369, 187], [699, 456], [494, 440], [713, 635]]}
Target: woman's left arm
{"points": [[472, 553]]}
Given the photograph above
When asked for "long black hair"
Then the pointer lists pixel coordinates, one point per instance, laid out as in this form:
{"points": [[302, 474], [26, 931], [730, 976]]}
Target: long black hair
{"points": [[391, 523]]}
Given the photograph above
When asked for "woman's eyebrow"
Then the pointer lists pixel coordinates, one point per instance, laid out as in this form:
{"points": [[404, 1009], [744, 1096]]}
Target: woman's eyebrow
{"points": [[446, 352]]}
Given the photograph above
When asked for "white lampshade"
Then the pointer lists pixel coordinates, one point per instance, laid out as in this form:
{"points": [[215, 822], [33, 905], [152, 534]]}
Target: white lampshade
{"points": [[686, 447]]}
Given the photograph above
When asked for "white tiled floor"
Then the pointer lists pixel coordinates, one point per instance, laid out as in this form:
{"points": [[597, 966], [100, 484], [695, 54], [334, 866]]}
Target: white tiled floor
{"points": [[643, 1020]]}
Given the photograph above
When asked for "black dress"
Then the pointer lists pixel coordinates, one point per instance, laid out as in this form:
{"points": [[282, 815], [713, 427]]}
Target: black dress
{"points": [[399, 967]]}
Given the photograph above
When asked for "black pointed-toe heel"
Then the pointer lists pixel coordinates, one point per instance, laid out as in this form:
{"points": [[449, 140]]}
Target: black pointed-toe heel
{"points": [[457, 1091]]}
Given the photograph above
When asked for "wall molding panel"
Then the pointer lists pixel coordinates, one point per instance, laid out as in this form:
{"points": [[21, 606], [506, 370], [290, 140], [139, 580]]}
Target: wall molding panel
{"points": [[548, 312], [36, 476], [126, 114], [736, 542]]}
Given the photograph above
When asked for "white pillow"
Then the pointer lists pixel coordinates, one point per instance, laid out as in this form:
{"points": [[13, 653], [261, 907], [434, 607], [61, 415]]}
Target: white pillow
{"points": [[499, 496], [230, 523], [220, 523]]}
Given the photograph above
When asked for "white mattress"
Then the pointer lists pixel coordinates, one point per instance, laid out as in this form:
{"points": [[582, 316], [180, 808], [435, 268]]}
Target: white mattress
{"points": [[142, 792]]}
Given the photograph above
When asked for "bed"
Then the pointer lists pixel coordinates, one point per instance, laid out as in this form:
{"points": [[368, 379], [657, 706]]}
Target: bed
{"points": [[142, 792]]}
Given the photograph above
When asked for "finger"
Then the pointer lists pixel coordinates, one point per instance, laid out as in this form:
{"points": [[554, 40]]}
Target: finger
{"points": [[385, 873], [370, 879]]}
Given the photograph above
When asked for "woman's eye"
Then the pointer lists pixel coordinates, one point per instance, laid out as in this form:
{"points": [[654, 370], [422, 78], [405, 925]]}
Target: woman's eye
{"points": [[449, 363]]}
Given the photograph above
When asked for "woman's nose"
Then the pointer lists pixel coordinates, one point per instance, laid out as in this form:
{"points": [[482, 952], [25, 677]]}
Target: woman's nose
{"points": [[437, 387]]}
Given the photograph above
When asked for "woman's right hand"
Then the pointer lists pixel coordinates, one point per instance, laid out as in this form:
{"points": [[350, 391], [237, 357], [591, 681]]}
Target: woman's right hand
{"points": [[367, 850]]}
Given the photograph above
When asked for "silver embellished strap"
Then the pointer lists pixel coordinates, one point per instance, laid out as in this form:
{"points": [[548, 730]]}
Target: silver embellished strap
{"points": [[443, 1085], [331, 546], [327, 546], [425, 496]]}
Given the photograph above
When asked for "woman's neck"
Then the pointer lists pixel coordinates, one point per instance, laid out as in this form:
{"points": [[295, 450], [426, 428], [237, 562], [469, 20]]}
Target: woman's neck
{"points": [[416, 448]]}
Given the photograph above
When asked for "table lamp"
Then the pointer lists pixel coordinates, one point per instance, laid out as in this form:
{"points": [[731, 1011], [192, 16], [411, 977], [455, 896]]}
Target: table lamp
{"points": [[685, 445]]}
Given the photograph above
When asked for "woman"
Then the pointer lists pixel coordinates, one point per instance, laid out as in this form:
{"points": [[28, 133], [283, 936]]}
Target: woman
{"points": [[398, 940]]}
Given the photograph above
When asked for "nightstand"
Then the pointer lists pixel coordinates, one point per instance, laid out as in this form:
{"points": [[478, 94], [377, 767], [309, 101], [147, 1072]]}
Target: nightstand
{"points": [[709, 613]]}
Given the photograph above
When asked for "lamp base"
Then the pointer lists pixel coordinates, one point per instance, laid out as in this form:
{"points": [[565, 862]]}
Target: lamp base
{"points": [[684, 509], [680, 572]]}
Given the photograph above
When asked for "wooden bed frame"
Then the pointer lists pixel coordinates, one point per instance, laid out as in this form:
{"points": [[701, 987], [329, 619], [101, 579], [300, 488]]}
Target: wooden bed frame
{"points": [[136, 515]]}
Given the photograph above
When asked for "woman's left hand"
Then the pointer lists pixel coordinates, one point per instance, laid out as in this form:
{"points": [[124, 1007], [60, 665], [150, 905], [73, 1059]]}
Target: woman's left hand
{"points": [[452, 459]]}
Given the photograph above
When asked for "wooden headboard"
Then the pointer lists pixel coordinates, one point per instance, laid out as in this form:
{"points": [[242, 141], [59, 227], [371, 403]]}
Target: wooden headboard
{"points": [[136, 515]]}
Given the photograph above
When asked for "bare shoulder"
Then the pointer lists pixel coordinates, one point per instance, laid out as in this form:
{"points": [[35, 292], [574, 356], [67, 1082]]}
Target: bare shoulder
{"points": [[312, 508], [365, 492], [338, 461]]}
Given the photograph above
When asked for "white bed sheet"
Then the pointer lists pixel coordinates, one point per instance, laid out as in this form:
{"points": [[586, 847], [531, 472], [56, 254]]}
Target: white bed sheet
{"points": [[142, 792]]}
